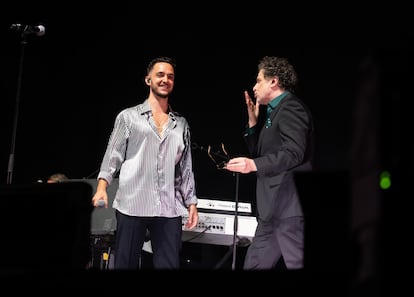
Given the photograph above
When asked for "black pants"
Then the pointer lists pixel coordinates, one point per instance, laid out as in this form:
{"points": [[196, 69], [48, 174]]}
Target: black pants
{"points": [[165, 234], [275, 239]]}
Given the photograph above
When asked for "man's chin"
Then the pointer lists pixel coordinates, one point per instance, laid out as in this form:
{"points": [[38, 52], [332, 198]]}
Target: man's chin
{"points": [[162, 95]]}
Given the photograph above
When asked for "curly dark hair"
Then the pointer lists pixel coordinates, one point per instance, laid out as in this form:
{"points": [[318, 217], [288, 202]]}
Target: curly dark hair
{"points": [[280, 67], [161, 59]]}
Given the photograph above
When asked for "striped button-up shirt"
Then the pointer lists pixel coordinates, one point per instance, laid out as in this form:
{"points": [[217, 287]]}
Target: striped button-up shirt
{"points": [[155, 171]]}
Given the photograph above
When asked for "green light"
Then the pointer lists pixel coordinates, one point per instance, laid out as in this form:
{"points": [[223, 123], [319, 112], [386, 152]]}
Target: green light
{"points": [[385, 180]]}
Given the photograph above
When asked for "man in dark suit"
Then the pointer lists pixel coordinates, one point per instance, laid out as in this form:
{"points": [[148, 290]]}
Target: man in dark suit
{"points": [[280, 143]]}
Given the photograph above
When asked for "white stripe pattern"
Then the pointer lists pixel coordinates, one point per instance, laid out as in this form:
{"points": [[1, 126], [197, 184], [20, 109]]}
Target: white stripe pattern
{"points": [[155, 172]]}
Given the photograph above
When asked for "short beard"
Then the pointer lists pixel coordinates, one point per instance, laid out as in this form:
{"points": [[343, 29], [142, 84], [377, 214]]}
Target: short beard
{"points": [[164, 96]]}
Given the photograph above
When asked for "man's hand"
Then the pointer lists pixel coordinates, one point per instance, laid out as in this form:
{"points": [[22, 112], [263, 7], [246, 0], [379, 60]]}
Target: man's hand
{"points": [[241, 164]]}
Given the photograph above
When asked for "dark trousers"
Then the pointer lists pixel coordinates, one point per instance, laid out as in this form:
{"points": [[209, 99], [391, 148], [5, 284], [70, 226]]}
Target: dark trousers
{"points": [[275, 239], [165, 234]]}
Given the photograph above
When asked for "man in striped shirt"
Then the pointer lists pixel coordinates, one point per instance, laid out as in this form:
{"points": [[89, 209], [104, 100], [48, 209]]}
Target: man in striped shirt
{"points": [[150, 148]]}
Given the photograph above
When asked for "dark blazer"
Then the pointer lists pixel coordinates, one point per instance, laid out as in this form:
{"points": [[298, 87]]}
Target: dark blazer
{"points": [[279, 150]]}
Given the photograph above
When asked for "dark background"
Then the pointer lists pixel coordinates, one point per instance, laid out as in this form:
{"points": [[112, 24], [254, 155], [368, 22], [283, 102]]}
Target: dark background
{"points": [[91, 62], [354, 65]]}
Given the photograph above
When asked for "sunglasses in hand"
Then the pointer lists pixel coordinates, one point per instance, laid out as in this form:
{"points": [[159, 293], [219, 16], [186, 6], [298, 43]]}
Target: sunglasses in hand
{"points": [[219, 158]]}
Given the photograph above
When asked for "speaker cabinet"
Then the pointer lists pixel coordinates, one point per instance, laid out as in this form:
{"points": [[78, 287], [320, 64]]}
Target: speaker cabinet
{"points": [[45, 227]]}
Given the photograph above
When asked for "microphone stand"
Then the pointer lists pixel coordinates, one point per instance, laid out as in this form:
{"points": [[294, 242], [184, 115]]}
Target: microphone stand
{"points": [[220, 165], [233, 249], [236, 222], [16, 110]]}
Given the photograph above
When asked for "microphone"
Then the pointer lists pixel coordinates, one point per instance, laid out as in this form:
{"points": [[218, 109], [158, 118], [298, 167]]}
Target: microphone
{"points": [[38, 30], [101, 203]]}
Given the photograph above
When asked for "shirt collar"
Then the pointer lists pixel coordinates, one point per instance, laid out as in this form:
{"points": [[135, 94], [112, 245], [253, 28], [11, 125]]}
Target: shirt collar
{"points": [[274, 102], [146, 109]]}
